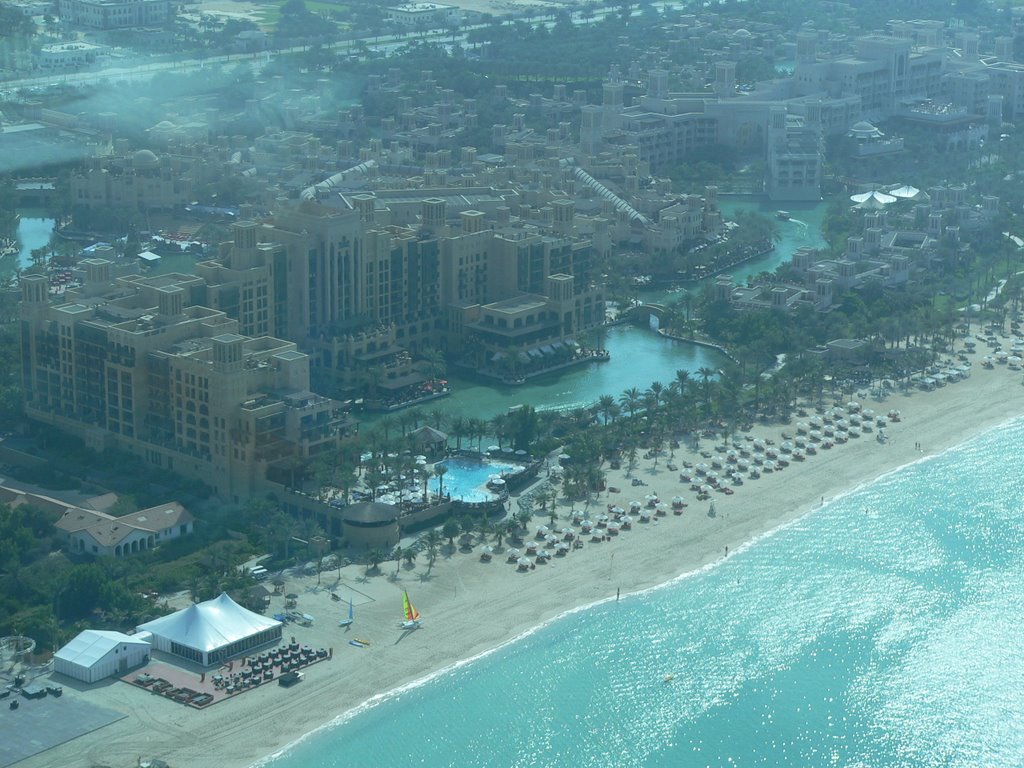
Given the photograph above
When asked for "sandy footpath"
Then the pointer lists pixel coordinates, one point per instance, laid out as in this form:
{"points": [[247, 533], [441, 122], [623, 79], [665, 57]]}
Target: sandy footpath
{"points": [[240, 731]]}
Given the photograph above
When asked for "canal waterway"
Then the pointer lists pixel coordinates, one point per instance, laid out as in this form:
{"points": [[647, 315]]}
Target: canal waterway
{"points": [[34, 231], [639, 357]]}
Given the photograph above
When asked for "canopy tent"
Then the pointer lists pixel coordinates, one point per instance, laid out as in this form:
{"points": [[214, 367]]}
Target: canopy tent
{"points": [[212, 631], [872, 200], [906, 192], [95, 654]]}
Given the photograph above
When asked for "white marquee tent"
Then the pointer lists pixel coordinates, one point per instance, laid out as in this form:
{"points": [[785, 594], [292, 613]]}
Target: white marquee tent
{"points": [[212, 631], [95, 654]]}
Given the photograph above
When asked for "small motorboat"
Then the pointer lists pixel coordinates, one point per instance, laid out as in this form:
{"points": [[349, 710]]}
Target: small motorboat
{"points": [[782, 215]]}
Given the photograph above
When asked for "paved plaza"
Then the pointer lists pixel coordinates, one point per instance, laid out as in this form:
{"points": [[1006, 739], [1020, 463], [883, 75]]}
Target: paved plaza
{"points": [[40, 724]]}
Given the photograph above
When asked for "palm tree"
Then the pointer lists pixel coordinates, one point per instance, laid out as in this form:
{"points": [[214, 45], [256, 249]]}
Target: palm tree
{"points": [[436, 417], [605, 404], [476, 428], [374, 558], [523, 517], [409, 555], [458, 425], [450, 530], [630, 400], [484, 529], [440, 470], [430, 541], [706, 373]]}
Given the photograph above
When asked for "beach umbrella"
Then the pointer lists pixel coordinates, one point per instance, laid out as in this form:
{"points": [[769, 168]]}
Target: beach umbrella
{"points": [[513, 552], [567, 532], [626, 521], [524, 562], [853, 406], [677, 500], [562, 546], [492, 448], [786, 447], [617, 510], [520, 452], [488, 550], [702, 468], [586, 524], [551, 538], [613, 527], [645, 514], [291, 596], [635, 505], [542, 530]]}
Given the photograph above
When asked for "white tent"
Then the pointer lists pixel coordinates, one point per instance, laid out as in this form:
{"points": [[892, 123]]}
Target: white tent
{"points": [[210, 632], [873, 199], [95, 654]]}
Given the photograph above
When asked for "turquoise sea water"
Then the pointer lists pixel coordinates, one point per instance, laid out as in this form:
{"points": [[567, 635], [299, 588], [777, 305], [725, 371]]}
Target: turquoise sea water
{"points": [[881, 630]]}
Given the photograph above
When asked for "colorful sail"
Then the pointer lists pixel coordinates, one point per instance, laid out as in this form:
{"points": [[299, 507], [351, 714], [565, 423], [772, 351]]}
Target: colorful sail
{"points": [[411, 614]]}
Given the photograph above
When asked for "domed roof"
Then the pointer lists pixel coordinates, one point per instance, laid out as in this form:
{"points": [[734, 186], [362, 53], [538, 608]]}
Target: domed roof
{"points": [[370, 513], [742, 33], [864, 130], [145, 159], [164, 125]]}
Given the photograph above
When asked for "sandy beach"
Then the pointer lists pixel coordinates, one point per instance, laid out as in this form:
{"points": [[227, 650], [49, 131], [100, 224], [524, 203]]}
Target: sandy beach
{"points": [[238, 732]]}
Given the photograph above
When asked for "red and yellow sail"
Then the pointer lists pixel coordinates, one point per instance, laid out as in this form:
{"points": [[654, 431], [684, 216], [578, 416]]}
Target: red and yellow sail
{"points": [[411, 614]]}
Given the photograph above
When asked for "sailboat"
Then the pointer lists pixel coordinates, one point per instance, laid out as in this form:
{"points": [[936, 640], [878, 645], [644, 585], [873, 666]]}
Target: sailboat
{"points": [[348, 621], [412, 616]]}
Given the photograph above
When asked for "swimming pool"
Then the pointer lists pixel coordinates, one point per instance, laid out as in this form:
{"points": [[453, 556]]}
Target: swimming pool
{"points": [[466, 479]]}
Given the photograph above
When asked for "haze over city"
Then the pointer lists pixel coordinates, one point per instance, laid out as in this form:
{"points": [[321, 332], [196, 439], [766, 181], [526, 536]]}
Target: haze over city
{"points": [[497, 382]]}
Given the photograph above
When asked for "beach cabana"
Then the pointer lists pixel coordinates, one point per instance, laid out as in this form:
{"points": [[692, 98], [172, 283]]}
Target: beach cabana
{"points": [[97, 654], [210, 632], [429, 440]]}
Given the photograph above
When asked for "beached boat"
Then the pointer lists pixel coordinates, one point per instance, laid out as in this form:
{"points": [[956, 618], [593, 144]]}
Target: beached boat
{"points": [[412, 616], [347, 622]]}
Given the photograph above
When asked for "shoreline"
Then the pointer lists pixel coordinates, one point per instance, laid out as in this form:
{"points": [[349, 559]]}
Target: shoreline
{"points": [[257, 725]]}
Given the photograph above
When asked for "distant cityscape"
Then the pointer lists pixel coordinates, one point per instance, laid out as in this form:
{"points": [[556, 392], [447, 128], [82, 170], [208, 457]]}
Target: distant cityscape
{"points": [[366, 250]]}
